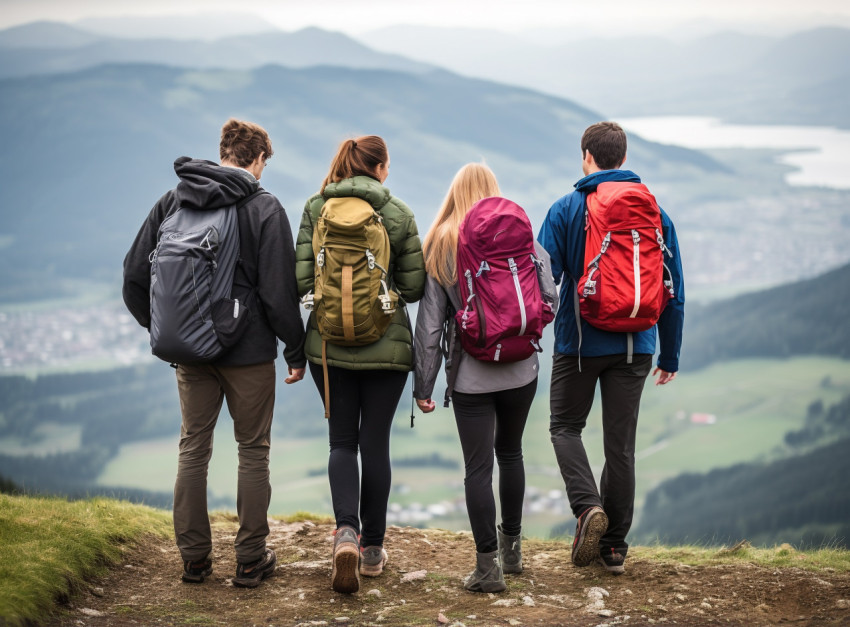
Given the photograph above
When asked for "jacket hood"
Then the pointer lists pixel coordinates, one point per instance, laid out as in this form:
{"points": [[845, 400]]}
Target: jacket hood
{"points": [[591, 181], [364, 187], [207, 185]]}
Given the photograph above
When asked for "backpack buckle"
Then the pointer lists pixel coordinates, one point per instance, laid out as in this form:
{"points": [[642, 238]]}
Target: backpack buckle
{"points": [[307, 301]]}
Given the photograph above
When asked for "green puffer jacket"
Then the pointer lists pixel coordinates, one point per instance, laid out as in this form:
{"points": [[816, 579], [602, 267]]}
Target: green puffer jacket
{"points": [[394, 351]]}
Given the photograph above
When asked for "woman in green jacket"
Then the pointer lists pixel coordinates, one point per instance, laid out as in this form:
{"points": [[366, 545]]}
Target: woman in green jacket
{"points": [[365, 382]]}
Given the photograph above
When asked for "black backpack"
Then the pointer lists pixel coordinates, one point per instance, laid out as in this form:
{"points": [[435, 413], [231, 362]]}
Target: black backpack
{"points": [[193, 317]]}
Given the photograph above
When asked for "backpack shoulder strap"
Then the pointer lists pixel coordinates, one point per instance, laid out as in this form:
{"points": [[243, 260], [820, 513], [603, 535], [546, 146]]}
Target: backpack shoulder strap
{"points": [[239, 267], [249, 198]]}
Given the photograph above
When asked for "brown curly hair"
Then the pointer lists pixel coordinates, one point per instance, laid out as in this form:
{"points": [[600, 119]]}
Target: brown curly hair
{"points": [[242, 142]]}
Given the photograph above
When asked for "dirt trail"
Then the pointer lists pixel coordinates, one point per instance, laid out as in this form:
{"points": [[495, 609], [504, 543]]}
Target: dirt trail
{"points": [[146, 589]]}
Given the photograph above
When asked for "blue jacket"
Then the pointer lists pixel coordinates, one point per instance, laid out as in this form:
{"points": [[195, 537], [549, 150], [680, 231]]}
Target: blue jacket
{"points": [[563, 236]]}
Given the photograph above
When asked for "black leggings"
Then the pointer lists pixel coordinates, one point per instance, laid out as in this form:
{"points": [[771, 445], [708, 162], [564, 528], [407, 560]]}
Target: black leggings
{"points": [[488, 422], [363, 403]]}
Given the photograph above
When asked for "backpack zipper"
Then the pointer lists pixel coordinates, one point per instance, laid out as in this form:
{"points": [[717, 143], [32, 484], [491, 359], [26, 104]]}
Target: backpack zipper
{"points": [[513, 267], [636, 242]]}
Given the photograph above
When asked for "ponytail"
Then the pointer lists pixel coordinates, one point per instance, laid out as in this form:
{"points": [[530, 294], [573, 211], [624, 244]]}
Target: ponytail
{"points": [[357, 157]]}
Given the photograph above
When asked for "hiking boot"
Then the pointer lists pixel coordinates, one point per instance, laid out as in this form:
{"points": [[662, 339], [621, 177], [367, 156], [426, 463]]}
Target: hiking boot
{"points": [[250, 575], [612, 560], [372, 560], [487, 576], [510, 552], [590, 528], [345, 575], [195, 572]]}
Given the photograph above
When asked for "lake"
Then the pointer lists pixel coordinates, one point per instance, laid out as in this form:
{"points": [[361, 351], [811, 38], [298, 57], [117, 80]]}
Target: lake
{"points": [[820, 154]]}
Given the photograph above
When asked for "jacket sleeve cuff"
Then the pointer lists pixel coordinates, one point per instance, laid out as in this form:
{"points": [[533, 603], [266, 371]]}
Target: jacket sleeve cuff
{"points": [[668, 365]]}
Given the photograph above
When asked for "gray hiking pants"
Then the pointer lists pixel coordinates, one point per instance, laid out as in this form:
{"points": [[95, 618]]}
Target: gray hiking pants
{"points": [[570, 399], [249, 391]]}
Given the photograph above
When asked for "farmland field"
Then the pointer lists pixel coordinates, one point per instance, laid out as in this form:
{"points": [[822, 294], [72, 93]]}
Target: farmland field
{"points": [[753, 402]]}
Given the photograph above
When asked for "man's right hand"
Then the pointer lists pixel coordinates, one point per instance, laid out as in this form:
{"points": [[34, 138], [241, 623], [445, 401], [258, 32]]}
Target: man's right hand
{"points": [[295, 374], [426, 406]]}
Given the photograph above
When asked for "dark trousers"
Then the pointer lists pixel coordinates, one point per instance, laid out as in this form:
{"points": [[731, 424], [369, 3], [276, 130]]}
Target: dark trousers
{"points": [[363, 404], [249, 391], [488, 422], [570, 400]]}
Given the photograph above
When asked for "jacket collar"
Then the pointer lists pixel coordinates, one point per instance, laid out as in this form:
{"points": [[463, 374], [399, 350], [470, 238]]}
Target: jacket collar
{"points": [[364, 187], [591, 181]]}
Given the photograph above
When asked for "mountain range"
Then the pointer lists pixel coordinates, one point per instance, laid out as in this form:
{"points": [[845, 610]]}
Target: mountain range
{"points": [[800, 78], [53, 47], [89, 152]]}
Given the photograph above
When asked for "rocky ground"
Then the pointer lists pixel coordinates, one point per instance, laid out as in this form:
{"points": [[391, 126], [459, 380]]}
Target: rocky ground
{"points": [[422, 586]]}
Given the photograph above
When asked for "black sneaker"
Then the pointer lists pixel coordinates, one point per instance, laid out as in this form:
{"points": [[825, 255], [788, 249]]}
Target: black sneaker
{"points": [[195, 572], [590, 528], [250, 575], [612, 561]]}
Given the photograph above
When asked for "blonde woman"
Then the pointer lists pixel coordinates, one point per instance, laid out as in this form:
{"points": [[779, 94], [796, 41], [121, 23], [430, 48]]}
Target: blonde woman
{"points": [[491, 400]]}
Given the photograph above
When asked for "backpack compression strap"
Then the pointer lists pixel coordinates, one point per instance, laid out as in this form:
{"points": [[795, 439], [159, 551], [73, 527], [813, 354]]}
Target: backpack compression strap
{"points": [[325, 375]]}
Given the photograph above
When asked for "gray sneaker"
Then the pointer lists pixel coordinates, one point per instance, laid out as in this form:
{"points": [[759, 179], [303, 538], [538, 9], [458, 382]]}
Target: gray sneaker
{"points": [[487, 576], [372, 560], [345, 575], [510, 552]]}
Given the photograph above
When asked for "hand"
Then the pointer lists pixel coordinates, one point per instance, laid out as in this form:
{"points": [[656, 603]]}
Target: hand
{"points": [[295, 375], [664, 377], [426, 406]]}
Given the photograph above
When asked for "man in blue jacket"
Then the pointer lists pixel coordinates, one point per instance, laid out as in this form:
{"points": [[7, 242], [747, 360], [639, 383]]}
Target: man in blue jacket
{"points": [[620, 362]]}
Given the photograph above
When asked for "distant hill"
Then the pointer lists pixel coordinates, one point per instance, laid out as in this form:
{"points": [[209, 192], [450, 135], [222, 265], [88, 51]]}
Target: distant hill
{"points": [[204, 26], [87, 154], [802, 500], [737, 77], [44, 34], [810, 317], [52, 47]]}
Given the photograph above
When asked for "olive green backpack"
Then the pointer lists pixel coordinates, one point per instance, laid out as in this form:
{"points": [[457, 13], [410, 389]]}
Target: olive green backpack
{"points": [[352, 302]]}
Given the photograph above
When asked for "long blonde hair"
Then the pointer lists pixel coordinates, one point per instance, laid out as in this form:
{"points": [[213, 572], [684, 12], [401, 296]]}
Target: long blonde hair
{"points": [[473, 182]]}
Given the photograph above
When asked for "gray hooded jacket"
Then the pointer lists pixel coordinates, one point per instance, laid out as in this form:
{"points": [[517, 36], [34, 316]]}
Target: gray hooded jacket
{"points": [[436, 338]]}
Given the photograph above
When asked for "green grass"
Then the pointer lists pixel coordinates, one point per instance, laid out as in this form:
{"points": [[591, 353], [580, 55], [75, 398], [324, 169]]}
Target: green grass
{"points": [[51, 546], [782, 556]]}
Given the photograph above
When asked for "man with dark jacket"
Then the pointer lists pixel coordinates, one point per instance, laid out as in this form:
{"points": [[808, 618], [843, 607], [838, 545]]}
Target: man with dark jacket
{"points": [[244, 375], [620, 362]]}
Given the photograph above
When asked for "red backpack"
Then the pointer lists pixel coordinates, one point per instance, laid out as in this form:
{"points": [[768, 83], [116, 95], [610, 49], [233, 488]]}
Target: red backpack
{"points": [[504, 313], [626, 284]]}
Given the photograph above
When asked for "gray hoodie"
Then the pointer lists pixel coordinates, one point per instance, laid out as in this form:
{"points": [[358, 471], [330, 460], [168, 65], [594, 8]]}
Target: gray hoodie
{"points": [[436, 337]]}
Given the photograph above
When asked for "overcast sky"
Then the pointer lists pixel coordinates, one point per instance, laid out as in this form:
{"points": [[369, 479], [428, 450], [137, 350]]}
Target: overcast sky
{"points": [[356, 16]]}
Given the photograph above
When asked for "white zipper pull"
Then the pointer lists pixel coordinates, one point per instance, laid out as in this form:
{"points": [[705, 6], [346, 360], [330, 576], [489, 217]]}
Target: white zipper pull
{"points": [[236, 308], [498, 350]]}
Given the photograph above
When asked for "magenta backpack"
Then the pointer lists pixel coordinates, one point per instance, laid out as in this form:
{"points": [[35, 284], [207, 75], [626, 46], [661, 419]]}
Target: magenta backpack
{"points": [[503, 311]]}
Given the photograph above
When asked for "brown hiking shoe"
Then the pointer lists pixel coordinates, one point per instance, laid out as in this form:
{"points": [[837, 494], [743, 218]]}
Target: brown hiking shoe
{"points": [[590, 528], [250, 575], [196, 572], [345, 575]]}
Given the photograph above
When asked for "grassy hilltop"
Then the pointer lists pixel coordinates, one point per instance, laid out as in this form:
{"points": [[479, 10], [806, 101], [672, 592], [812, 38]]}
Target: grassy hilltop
{"points": [[106, 562]]}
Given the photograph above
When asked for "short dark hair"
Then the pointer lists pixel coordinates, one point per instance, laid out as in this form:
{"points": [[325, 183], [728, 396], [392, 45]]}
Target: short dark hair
{"points": [[606, 141], [242, 142]]}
